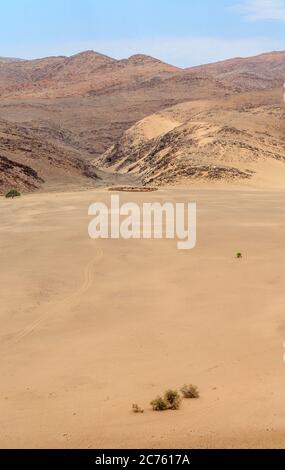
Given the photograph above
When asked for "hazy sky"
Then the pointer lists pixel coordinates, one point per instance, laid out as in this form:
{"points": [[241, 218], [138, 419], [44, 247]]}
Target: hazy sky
{"points": [[182, 32]]}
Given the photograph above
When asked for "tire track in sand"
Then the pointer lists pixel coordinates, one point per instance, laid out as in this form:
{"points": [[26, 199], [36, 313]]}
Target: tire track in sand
{"points": [[67, 302]]}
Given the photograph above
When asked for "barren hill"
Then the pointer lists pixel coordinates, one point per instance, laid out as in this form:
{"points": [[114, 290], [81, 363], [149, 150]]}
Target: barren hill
{"points": [[94, 98], [77, 75], [91, 72], [83, 104], [9, 59], [202, 140], [262, 71], [27, 161]]}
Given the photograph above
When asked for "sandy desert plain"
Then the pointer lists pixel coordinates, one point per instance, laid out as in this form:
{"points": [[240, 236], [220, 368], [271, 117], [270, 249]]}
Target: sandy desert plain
{"points": [[90, 327]]}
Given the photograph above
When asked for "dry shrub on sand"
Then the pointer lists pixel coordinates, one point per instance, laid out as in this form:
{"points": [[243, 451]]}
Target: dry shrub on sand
{"points": [[190, 391], [170, 401], [137, 409]]}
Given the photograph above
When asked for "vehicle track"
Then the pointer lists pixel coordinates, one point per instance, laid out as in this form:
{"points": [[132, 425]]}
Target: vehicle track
{"points": [[88, 280]]}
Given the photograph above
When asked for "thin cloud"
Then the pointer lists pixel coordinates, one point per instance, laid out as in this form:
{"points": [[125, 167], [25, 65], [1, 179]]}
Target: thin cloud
{"points": [[262, 10]]}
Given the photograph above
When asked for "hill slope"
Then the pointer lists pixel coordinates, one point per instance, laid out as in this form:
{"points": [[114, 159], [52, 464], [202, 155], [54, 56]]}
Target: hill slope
{"points": [[262, 71], [210, 140], [83, 104], [27, 161], [80, 74]]}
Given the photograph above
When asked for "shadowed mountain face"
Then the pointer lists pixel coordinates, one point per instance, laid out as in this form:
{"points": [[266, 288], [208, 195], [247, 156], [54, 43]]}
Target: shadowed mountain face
{"points": [[79, 107], [28, 160]]}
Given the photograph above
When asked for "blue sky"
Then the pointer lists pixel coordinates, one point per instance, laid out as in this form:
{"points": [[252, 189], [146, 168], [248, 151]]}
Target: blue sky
{"points": [[182, 32]]}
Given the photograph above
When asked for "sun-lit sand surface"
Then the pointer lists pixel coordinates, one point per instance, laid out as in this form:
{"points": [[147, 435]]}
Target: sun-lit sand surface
{"points": [[90, 327]]}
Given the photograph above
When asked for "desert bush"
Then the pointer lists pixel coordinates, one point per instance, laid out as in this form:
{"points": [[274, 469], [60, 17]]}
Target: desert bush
{"points": [[190, 391], [137, 409], [173, 399], [13, 193], [170, 401], [239, 255], [159, 404]]}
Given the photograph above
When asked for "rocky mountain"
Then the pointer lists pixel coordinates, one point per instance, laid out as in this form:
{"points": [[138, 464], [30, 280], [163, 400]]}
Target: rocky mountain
{"points": [[83, 73], [262, 71], [79, 107], [28, 161]]}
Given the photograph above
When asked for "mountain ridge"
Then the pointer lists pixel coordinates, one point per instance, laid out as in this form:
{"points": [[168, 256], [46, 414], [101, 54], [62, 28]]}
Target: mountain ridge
{"points": [[87, 102]]}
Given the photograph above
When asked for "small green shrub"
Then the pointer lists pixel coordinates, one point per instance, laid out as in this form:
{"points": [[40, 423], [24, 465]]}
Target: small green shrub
{"points": [[13, 193], [137, 409], [239, 255], [190, 391]]}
